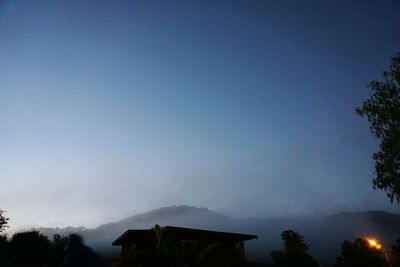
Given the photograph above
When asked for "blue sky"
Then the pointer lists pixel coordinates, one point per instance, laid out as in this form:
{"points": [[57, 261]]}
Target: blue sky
{"points": [[109, 108]]}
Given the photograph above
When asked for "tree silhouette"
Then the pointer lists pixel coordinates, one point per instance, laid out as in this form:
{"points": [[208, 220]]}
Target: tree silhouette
{"points": [[29, 248], [58, 245], [33, 249], [294, 242], [3, 237], [382, 109], [78, 254], [359, 253], [295, 254], [3, 222], [396, 253], [3, 247]]}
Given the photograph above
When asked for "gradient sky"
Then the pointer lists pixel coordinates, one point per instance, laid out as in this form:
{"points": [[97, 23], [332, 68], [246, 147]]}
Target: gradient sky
{"points": [[110, 108]]}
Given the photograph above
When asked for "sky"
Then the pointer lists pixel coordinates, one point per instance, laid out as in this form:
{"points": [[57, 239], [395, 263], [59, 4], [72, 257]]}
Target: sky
{"points": [[111, 108]]}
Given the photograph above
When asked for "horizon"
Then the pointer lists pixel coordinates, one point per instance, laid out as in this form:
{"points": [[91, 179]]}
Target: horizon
{"points": [[110, 109], [11, 230], [316, 231]]}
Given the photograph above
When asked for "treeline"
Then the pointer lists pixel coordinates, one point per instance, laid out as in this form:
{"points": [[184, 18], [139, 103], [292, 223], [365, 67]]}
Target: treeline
{"points": [[362, 252], [30, 248], [33, 249]]}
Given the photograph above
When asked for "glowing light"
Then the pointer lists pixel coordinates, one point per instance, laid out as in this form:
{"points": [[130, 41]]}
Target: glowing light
{"points": [[373, 243]]}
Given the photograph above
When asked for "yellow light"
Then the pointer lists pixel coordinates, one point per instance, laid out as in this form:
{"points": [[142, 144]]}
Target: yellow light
{"points": [[373, 243]]}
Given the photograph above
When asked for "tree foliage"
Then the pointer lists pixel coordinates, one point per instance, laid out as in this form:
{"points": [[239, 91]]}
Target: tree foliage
{"points": [[33, 249], [295, 254], [382, 109], [29, 247], [294, 242], [359, 253], [395, 253], [3, 222]]}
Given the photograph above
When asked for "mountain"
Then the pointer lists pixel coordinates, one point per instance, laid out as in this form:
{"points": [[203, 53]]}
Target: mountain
{"points": [[184, 216], [181, 216], [324, 234], [100, 238], [378, 222]]}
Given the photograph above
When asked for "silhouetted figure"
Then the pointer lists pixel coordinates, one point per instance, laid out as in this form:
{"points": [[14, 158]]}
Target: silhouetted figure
{"points": [[79, 255]]}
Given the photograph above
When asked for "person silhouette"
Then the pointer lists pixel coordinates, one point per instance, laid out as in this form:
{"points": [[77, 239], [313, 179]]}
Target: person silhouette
{"points": [[79, 255]]}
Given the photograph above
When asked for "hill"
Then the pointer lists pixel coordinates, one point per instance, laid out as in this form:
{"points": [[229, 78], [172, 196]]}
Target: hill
{"points": [[324, 234]]}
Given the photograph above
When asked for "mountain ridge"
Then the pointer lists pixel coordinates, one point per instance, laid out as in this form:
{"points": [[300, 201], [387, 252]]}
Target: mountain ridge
{"points": [[324, 234]]}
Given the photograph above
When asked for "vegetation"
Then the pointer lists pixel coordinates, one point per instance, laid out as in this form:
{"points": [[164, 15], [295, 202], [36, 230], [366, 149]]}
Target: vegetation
{"points": [[295, 254], [3, 237], [294, 242], [395, 257], [3, 222], [29, 248], [382, 109], [360, 253], [33, 249]]}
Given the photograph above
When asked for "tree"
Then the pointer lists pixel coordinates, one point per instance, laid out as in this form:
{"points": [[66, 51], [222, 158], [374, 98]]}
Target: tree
{"points": [[3, 222], [3, 237], [294, 242], [295, 254], [382, 109], [30, 248], [58, 247], [360, 253], [395, 253]]}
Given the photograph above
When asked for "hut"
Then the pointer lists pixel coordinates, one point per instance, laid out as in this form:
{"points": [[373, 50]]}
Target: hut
{"points": [[171, 236]]}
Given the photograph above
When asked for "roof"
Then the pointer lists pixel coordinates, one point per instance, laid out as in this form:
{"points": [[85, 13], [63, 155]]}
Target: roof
{"points": [[180, 233]]}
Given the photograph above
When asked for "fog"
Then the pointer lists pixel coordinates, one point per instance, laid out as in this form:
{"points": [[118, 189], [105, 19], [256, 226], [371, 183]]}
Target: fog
{"points": [[109, 109], [324, 234]]}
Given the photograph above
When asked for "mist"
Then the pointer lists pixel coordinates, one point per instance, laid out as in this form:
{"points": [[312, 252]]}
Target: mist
{"points": [[113, 109], [324, 234]]}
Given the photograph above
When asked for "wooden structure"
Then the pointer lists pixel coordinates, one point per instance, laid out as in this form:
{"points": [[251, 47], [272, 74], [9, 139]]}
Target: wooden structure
{"points": [[148, 239]]}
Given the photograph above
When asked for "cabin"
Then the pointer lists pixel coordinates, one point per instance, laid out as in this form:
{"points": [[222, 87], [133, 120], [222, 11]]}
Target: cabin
{"points": [[150, 239]]}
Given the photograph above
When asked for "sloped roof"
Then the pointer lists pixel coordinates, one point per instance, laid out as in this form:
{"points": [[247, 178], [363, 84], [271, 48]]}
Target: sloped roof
{"points": [[180, 233]]}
